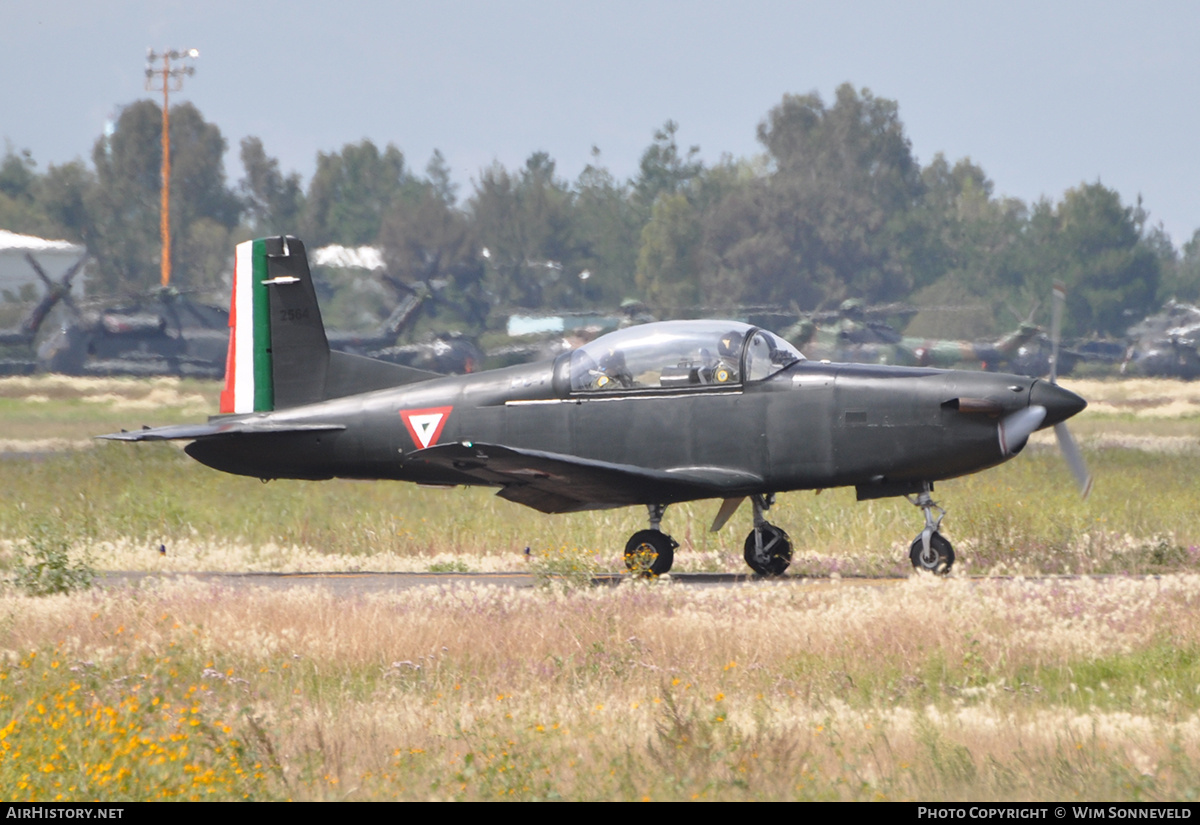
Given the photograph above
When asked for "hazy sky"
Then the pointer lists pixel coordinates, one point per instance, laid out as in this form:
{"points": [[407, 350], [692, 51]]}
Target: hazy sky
{"points": [[1043, 95]]}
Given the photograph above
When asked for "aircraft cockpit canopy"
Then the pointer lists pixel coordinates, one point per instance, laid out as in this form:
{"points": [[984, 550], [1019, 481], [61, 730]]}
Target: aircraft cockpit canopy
{"points": [[679, 354]]}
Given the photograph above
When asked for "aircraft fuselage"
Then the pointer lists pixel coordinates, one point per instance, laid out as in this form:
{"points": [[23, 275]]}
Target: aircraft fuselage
{"points": [[809, 426]]}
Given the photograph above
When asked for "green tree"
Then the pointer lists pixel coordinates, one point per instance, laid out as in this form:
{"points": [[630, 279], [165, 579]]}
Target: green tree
{"points": [[428, 240], [663, 170], [668, 270], [63, 194], [966, 248], [125, 204], [526, 223], [272, 203], [438, 173], [198, 170], [608, 228], [352, 190], [953, 209], [16, 174], [19, 208], [1112, 273], [847, 175], [736, 254], [831, 218]]}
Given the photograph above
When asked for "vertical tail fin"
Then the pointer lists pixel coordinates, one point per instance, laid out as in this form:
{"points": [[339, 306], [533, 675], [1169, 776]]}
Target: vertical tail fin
{"points": [[278, 354]]}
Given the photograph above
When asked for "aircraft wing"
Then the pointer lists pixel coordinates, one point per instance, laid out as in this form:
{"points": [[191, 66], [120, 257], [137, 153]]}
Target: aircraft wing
{"points": [[215, 429], [556, 483]]}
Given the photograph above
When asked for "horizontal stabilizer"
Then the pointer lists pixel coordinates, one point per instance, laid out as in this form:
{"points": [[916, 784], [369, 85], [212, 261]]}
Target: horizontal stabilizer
{"points": [[351, 374], [218, 428]]}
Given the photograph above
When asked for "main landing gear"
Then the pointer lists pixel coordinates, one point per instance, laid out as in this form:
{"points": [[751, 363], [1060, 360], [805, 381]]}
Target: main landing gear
{"points": [[768, 549], [651, 552], [930, 550]]}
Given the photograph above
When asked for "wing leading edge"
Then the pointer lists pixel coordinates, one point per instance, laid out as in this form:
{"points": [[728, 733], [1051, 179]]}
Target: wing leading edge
{"points": [[556, 483]]}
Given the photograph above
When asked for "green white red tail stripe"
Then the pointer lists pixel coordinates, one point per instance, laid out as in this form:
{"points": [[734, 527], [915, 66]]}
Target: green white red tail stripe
{"points": [[248, 379]]}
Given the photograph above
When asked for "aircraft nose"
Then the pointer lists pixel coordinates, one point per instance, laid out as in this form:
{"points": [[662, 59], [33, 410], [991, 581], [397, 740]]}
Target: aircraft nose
{"points": [[1060, 404]]}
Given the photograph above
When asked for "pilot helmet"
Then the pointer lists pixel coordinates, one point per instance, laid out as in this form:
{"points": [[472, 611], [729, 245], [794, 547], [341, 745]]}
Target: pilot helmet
{"points": [[730, 344]]}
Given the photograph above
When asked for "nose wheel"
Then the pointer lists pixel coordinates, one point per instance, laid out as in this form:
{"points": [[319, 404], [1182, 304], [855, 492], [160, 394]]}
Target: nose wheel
{"points": [[650, 553], [937, 559], [768, 549], [930, 551]]}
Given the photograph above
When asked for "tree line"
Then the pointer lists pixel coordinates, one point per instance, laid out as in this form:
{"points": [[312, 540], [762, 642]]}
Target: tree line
{"points": [[836, 206]]}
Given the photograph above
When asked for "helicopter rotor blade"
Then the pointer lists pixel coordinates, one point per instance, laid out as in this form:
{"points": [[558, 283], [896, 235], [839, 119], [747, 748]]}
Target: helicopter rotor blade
{"points": [[1032, 312], [37, 269]]}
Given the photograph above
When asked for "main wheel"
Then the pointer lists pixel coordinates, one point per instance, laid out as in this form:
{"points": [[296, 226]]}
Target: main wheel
{"points": [[773, 555], [940, 558], [650, 553]]}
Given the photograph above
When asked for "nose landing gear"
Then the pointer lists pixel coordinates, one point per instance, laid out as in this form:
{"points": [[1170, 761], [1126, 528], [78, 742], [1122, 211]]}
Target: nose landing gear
{"points": [[930, 550]]}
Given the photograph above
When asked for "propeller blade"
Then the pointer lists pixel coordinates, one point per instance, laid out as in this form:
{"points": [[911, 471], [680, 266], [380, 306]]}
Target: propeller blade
{"points": [[1066, 443], [1070, 451], [1060, 297], [1016, 428]]}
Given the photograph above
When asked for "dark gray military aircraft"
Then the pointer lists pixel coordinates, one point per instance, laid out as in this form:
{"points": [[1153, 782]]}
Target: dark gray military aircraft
{"points": [[649, 415]]}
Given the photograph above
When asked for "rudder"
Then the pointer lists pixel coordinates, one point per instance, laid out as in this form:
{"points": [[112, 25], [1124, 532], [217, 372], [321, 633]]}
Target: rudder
{"points": [[248, 373]]}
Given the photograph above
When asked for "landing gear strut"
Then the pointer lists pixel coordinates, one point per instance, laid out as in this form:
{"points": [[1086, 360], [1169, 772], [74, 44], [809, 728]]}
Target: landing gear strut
{"points": [[768, 549], [651, 552], [930, 550]]}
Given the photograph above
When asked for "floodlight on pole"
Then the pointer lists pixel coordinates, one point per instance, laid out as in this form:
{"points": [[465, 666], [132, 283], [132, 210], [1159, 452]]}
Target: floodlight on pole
{"points": [[171, 76]]}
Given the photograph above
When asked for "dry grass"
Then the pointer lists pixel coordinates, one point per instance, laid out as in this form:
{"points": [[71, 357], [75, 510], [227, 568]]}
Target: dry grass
{"points": [[924, 690], [169, 390], [1124, 394], [43, 413]]}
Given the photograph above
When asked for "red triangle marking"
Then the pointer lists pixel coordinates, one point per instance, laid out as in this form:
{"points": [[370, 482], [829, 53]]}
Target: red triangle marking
{"points": [[425, 426]]}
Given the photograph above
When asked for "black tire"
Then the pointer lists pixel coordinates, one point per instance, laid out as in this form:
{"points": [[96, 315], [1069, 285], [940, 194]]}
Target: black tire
{"points": [[776, 553], [941, 555], [650, 553]]}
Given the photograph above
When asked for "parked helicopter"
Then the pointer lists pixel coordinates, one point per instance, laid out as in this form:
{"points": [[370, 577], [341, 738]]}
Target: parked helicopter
{"points": [[653, 415], [163, 333], [21, 338], [1165, 344], [856, 338], [167, 332]]}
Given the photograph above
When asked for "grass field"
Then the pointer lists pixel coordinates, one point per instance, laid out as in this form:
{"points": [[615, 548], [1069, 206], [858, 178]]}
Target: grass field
{"points": [[997, 689]]}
